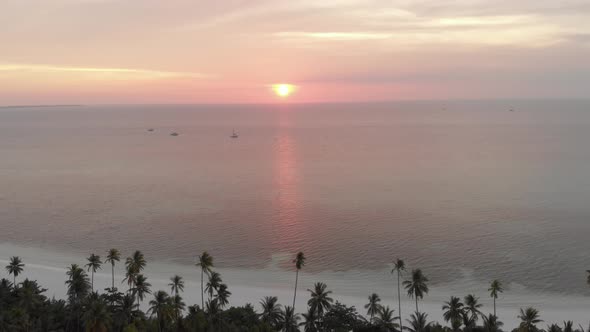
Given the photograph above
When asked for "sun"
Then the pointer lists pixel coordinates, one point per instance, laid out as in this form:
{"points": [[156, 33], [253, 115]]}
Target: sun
{"points": [[283, 90]]}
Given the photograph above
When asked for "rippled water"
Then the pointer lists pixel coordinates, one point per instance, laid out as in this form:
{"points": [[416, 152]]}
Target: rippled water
{"points": [[448, 186]]}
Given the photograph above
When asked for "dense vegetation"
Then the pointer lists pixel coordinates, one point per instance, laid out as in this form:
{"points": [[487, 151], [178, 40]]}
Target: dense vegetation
{"points": [[24, 307]]}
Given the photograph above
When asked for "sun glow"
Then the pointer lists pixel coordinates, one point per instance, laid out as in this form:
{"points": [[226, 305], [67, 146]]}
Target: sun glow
{"points": [[283, 90]]}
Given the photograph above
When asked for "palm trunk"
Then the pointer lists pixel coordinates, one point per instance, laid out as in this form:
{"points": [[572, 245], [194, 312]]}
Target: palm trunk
{"points": [[417, 304], [92, 282], [113, 274], [295, 293], [399, 300], [202, 300], [14, 281], [495, 308]]}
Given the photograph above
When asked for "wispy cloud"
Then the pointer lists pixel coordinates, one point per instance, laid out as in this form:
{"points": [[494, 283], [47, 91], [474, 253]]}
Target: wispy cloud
{"points": [[333, 35], [98, 72]]}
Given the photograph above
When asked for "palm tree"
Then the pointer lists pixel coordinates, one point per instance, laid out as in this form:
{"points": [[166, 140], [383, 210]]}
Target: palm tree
{"points": [[223, 295], [160, 306], [290, 320], [299, 262], [495, 289], [93, 265], [176, 284], [205, 263], [472, 308], [77, 283], [320, 300], [491, 324], [568, 326], [136, 262], [310, 323], [97, 317], [529, 318], [113, 256], [213, 283], [15, 267], [385, 320], [373, 307], [418, 322], [416, 287], [214, 315], [125, 309], [134, 265], [142, 287], [554, 328], [178, 306], [271, 311], [452, 312], [399, 266]]}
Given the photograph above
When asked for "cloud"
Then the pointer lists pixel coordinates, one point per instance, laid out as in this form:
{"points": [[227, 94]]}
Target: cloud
{"points": [[111, 73], [333, 35]]}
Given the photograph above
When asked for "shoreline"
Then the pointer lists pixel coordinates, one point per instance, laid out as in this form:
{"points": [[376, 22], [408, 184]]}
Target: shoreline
{"points": [[250, 286]]}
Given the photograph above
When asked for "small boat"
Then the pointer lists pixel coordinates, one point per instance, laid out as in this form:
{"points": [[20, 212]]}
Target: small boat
{"points": [[174, 134], [151, 129], [234, 134], [511, 110]]}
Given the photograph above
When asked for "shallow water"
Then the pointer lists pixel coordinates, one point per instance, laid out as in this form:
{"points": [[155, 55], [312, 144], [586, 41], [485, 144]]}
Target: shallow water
{"points": [[450, 187]]}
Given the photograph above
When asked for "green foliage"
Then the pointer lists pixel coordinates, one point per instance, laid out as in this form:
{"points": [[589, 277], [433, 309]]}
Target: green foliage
{"points": [[25, 307]]}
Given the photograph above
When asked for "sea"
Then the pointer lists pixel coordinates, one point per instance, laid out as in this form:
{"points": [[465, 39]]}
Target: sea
{"points": [[466, 190]]}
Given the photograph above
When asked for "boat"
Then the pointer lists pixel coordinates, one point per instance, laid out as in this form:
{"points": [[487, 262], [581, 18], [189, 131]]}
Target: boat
{"points": [[234, 134], [151, 129], [174, 134]]}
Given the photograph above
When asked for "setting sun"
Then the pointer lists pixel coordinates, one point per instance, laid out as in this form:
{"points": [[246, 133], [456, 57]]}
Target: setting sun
{"points": [[283, 90]]}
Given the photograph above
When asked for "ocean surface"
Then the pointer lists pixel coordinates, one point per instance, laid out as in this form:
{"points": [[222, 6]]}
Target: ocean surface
{"points": [[465, 190]]}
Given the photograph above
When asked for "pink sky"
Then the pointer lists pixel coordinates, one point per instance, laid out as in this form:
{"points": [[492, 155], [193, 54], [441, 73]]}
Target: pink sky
{"points": [[187, 51]]}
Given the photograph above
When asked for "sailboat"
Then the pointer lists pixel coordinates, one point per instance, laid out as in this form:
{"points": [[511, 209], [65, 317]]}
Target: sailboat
{"points": [[234, 134]]}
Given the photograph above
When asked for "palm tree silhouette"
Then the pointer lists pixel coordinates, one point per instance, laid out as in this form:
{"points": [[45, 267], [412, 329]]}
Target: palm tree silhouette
{"points": [[416, 287], [205, 263], [178, 306], [113, 256], [491, 323], [160, 306], [97, 317], [271, 311], [213, 283], [93, 265], [472, 308], [15, 267], [418, 322], [77, 284], [310, 321], [495, 289], [299, 263], [222, 295], [320, 300], [290, 320], [529, 317], [453, 310], [385, 320], [141, 288], [134, 265], [373, 306], [399, 266], [176, 284]]}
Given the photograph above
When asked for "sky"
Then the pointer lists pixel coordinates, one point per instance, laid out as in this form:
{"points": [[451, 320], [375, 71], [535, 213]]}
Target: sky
{"points": [[231, 51]]}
